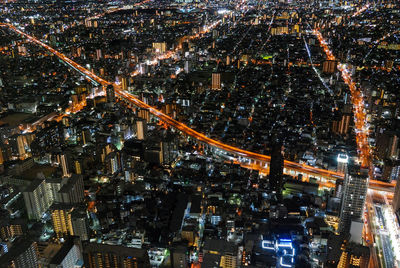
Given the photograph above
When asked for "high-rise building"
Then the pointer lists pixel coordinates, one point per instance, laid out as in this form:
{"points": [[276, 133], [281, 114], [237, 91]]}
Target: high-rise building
{"points": [[344, 124], [69, 255], [71, 191], [110, 94], [353, 199], [113, 163], [23, 254], [107, 256], [216, 81], [276, 169], [124, 83], [80, 224], [144, 114], [65, 165], [86, 136], [342, 161], [187, 67], [141, 129], [61, 218], [36, 199]]}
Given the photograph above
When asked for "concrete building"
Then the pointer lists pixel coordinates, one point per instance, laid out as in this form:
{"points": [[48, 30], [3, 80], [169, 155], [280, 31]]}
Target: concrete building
{"points": [[353, 199], [36, 199]]}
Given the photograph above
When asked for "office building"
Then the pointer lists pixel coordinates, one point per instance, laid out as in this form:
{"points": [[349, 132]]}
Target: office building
{"points": [[353, 199], [36, 199], [107, 256], [23, 254]]}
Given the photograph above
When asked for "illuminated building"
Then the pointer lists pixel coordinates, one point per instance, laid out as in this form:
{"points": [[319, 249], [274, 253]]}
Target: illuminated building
{"points": [[113, 164], [98, 54], [86, 136], [107, 256], [226, 252], [78, 167], [124, 83], [18, 144], [11, 230], [353, 199], [160, 47], [342, 161], [23, 254], [354, 255], [1, 156], [187, 67], [141, 129], [344, 124], [276, 169], [36, 199], [216, 81], [329, 66], [387, 145], [61, 217], [144, 114], [64, 165]]}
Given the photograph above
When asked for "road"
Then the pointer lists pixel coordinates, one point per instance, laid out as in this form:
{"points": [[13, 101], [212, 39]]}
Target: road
{"points": [[384, 240]]}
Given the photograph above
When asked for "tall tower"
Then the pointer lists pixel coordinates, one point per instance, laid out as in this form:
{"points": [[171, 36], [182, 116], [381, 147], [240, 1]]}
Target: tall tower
{"points": [[276, 169], [353, 199]]}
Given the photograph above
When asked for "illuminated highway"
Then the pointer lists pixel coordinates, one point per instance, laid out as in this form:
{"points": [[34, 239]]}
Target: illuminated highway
{"points": [[255, 160]]}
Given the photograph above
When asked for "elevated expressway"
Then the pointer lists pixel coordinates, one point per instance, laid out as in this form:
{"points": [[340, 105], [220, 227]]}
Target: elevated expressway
{"points": [[247, 159]]}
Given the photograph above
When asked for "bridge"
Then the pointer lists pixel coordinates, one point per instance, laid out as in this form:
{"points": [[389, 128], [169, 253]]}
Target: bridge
{"points": [[246, 158]]}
